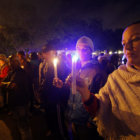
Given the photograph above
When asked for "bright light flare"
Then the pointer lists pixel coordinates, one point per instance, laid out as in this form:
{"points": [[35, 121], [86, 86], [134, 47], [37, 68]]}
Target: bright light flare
{"points": [[110, 52], [120, 52], [94, 53], [75, 58]]}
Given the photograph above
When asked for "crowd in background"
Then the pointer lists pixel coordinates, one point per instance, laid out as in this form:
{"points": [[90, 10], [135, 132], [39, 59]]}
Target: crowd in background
{"points": [[26, 83]]}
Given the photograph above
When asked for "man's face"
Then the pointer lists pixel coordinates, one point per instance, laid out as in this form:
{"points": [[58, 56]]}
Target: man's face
{"points": [[20, 59], [131, 44], [84, 52], [48, 55], [45, 55]]}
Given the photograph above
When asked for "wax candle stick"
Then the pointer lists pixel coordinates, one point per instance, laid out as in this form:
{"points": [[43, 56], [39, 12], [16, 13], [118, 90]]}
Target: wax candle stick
{"points": [[55, 61], [74, 59]]}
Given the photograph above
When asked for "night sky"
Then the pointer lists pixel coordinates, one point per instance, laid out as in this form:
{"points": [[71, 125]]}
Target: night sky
{"points": [[44, 19]]}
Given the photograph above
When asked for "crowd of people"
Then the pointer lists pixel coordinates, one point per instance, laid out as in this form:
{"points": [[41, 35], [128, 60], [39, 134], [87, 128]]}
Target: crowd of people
{"points": [[105, 104]]}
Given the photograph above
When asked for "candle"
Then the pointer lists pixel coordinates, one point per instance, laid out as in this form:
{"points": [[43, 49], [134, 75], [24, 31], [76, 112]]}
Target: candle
{"points": [[74, 59], [55, 67]]}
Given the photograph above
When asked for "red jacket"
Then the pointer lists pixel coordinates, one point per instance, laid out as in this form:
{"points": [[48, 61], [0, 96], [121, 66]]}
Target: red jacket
{"points": [[4, 72]]}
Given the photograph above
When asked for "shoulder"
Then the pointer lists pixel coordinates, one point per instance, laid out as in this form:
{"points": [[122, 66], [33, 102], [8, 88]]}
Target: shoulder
{"points": [[92, 65], [121, 71], [117, 76]]}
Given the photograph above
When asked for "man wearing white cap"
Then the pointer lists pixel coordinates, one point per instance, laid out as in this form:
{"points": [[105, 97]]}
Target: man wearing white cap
{"points": [[92, 74], [85, 47]]}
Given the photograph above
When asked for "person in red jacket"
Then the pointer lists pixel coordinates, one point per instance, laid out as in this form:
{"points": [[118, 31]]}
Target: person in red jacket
{"points": [[4, 68]]}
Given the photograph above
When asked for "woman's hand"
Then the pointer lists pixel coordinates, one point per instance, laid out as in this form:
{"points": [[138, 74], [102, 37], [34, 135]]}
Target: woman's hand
{"points": [[57, 83]]}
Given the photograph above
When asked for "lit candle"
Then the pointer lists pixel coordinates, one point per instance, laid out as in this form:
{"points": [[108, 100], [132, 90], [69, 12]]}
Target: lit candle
{"points": [[55, 67], [22, 66], [74, 59]]}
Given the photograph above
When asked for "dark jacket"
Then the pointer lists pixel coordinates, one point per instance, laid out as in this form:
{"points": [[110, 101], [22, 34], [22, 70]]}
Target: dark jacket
{"points": [[95, 78], [19, 94]]}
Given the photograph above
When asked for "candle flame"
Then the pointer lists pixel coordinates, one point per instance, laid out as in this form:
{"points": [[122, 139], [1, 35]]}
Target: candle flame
{"points": [[74, 58], [55, 61]]}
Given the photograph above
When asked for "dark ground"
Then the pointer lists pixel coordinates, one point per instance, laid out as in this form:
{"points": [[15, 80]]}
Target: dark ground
{"points": [[37, 121]]}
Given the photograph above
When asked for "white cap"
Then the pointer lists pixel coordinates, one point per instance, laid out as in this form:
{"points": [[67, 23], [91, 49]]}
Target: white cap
{"points": [[86, 41]]}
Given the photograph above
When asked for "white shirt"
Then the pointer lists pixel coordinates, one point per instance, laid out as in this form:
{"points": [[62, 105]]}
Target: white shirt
{"points": [[119, 113]]}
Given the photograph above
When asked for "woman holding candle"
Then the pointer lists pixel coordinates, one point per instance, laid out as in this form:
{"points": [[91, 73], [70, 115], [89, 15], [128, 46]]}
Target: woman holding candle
{"points": [[117, 106]]}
